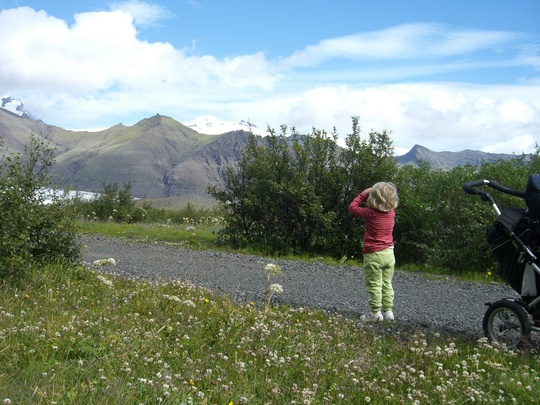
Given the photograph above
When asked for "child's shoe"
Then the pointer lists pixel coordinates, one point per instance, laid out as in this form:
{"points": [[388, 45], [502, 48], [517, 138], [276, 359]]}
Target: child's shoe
{"points": [[388, 316], [373, 317]]}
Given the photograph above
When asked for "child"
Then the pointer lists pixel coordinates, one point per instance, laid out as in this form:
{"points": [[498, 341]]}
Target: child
{"points": [[378, 214]]}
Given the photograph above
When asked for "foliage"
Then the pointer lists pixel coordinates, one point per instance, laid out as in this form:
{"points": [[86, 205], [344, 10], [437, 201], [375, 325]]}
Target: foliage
{"points": [[291, 194], [116, 204], [364, 162], [32, 230], [73, 335], [113, 203], [188, 214], [438, 225]]}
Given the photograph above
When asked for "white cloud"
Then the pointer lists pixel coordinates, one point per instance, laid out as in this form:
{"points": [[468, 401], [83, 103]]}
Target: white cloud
{"points": [[144, 14], [101, 51], [438, 116], [405, 42], [518, 145], [98, 72]]}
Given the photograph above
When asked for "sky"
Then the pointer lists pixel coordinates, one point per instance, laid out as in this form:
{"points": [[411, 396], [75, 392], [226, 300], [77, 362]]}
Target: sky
{"points": [[448, 75]]}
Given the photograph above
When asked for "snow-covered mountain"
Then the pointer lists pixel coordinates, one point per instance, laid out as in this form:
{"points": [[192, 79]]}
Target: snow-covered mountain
{"points": [[210, 125], [15, 106]]}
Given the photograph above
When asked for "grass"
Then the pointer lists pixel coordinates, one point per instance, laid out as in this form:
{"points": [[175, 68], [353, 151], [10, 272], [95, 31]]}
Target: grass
{"points": [[200, 236], [72, 335]]}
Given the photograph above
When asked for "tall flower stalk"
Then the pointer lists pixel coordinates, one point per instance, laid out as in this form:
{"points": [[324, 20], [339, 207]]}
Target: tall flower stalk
{"points": [[270, 289]]}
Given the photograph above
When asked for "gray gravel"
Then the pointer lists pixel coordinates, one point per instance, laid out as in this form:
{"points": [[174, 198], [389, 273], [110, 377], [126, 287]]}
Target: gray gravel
{"points": [[434, 303]]}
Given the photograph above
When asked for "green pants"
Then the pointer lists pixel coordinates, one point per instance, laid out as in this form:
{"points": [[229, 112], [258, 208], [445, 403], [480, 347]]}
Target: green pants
{"points": [[378, 273]]}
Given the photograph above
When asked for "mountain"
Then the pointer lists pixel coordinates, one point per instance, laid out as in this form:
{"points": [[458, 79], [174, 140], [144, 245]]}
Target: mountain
{"points": [[15, 127], [159, 156], [448, 160], [162, 158]]}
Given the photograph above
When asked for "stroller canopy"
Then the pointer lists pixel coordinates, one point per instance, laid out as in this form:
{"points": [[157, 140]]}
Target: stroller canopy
{"points": [[532, 196]]}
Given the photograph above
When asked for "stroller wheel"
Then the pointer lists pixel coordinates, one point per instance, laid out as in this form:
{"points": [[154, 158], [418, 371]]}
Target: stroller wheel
{"points": [[506, 322]]}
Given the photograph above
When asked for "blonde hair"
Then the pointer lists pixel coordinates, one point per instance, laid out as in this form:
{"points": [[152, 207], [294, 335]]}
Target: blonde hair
{"points": [[383, 197]]}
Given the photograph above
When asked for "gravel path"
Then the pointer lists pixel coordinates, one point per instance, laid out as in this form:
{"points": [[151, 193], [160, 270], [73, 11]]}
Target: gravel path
{"points": [[435, 303]]}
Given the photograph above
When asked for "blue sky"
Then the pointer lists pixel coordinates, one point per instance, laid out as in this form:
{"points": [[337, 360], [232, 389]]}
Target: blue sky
{"points": [[448, 75]]}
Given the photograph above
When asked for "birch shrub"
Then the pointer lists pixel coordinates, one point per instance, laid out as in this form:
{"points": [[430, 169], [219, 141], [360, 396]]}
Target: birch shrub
{"points": [[36, 227]]}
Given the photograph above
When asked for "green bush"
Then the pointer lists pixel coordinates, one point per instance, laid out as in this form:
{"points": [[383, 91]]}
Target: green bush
{"points": [[290, 195], [439, 225], [35, 226], [188, 215], [112, 204]]}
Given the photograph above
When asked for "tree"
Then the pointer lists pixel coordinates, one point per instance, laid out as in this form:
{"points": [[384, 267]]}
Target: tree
{"points": [[440, 226], [291, 194], [112, 204], [32, 229], [437, 224], [363, 163]]}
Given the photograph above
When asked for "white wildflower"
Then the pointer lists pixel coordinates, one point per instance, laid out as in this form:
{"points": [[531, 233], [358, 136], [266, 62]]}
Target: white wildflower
{"points": [[189, 303], [105, 262], [105, 280], [172, 297], [275, 289], [272, 269]]}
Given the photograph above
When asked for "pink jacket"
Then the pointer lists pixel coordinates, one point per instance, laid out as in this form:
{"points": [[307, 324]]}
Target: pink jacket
{"points": [[379, 225]]}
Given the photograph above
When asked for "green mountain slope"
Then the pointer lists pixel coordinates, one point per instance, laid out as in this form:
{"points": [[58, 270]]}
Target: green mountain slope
{"points": [[144, 154]]}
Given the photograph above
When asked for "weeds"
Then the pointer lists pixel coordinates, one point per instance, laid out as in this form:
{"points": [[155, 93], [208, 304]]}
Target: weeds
{"points": [[200, 237], [76, 335]]}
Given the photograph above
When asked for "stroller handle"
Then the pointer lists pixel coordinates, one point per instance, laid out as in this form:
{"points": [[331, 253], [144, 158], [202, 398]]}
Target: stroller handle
{"points": [[470, 188]]}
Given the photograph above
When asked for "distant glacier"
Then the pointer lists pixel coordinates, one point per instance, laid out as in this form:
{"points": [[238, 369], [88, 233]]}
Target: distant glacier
{"points": [[49, 194]]}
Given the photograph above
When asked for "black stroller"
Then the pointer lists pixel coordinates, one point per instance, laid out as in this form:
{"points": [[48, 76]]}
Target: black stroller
{"points": [[514, 238]]}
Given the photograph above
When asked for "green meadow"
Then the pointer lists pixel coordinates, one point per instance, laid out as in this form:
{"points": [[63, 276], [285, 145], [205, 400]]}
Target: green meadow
{"points": [[75, 334]]}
